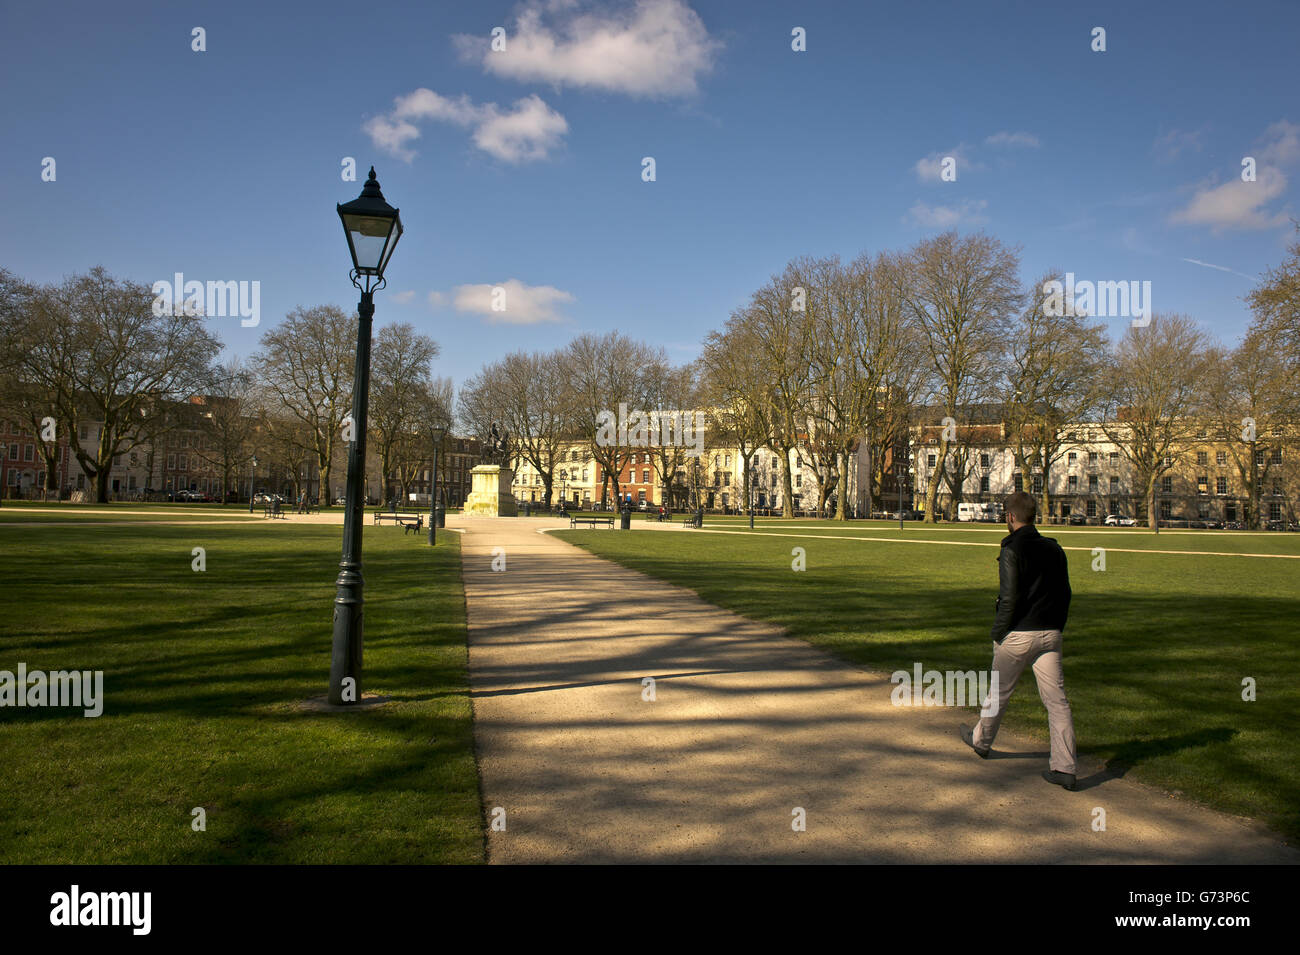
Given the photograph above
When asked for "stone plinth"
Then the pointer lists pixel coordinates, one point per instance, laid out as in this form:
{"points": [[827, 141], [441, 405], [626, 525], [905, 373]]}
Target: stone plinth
{"points": [[490, 493]]}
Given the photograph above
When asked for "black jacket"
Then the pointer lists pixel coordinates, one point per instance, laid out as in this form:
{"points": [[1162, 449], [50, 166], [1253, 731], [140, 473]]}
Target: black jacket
{"points": [[1033, 584]]}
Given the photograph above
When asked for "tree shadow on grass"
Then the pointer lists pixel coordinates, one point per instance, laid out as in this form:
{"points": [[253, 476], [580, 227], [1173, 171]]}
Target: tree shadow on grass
{"points": [[1124, 756]]}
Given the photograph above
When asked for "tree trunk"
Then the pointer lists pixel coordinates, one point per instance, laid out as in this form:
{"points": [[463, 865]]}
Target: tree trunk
{"points": [[787, 484], [932, 487]]}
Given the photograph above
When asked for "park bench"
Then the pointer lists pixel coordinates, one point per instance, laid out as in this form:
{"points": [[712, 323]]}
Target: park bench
{"points": [[396, 516], [593, 521]]}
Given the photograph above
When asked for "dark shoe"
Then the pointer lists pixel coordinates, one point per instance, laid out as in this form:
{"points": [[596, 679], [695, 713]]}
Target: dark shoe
{"points": [[968, 738], [1064, 780]]}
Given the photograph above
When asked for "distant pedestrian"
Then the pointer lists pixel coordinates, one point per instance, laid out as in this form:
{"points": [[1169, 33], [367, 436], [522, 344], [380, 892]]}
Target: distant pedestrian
{"points": [[1032, 606]]}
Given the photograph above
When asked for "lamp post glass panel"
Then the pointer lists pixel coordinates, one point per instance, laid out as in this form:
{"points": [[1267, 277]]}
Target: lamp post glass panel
{"points": [[373, 228]]}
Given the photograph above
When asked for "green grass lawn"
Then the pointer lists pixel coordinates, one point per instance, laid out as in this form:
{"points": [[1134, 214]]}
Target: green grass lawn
{"points": [[1155, 650], [203, 677]]}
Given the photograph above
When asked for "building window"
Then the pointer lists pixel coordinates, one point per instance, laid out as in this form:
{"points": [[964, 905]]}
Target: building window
{"points": [[1018, 481], [1038, 484], [1092, 508], [1165, 510], [798, 480], [929, 460], [171, 462], [984, 483], [183, 463], [984, 462], [1220, 457], [29, 452], [1073, 482], [1072, 457], [1167, 485], [1092, 459], [1221, 485], [645, 475], [13, 452], [1277, 455], [1114, 459], [1114, 485], [1092, 484], [1202, 458], [1202, 485], [1275, 511]]}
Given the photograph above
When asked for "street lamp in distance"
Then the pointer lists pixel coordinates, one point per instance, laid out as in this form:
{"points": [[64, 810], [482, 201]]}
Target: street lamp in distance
{"points": [[439, 433]]}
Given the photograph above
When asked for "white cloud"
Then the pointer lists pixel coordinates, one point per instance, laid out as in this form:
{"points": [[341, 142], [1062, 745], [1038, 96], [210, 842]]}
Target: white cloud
{"points": [[524, 304], [649, 48], [1028, 140], [526, 131], [1172, 144], [404, 298], [929, 168], [1241, 205], [1236, 204], [966, 212], [530, 132], [437, 299], [1282, 144]]}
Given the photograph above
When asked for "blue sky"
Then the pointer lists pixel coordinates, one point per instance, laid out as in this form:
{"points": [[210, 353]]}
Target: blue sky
{"points": [[524, 166]]}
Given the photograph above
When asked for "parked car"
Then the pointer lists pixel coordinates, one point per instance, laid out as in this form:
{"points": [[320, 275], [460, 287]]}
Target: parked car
{"points": [[1116, 520], [1077, 519], [1234, 526]]}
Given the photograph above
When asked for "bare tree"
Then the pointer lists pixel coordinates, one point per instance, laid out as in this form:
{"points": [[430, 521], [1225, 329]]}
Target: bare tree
{"points": [[401, 411], [1054, 376], [1247, 402], [99, 351], [961, 292], [774, 326], [1154, 394], [228, 420], [306, 365], [603, 373]]}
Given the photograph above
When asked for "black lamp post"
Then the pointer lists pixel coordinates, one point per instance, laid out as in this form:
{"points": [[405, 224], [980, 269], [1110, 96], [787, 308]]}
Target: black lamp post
{"points": [[439, 432], [373, 228], [252, 471]]}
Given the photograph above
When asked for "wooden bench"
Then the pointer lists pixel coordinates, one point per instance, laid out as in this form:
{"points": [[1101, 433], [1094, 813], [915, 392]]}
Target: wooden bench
{"points": [[399, 517], [593, 521]]}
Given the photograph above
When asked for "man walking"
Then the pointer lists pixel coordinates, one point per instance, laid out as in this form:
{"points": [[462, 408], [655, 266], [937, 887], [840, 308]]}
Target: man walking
{"points": [[1033, 602]]}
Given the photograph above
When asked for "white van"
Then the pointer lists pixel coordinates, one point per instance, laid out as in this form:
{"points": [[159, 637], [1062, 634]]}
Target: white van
{"points": [[989, 512]]}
